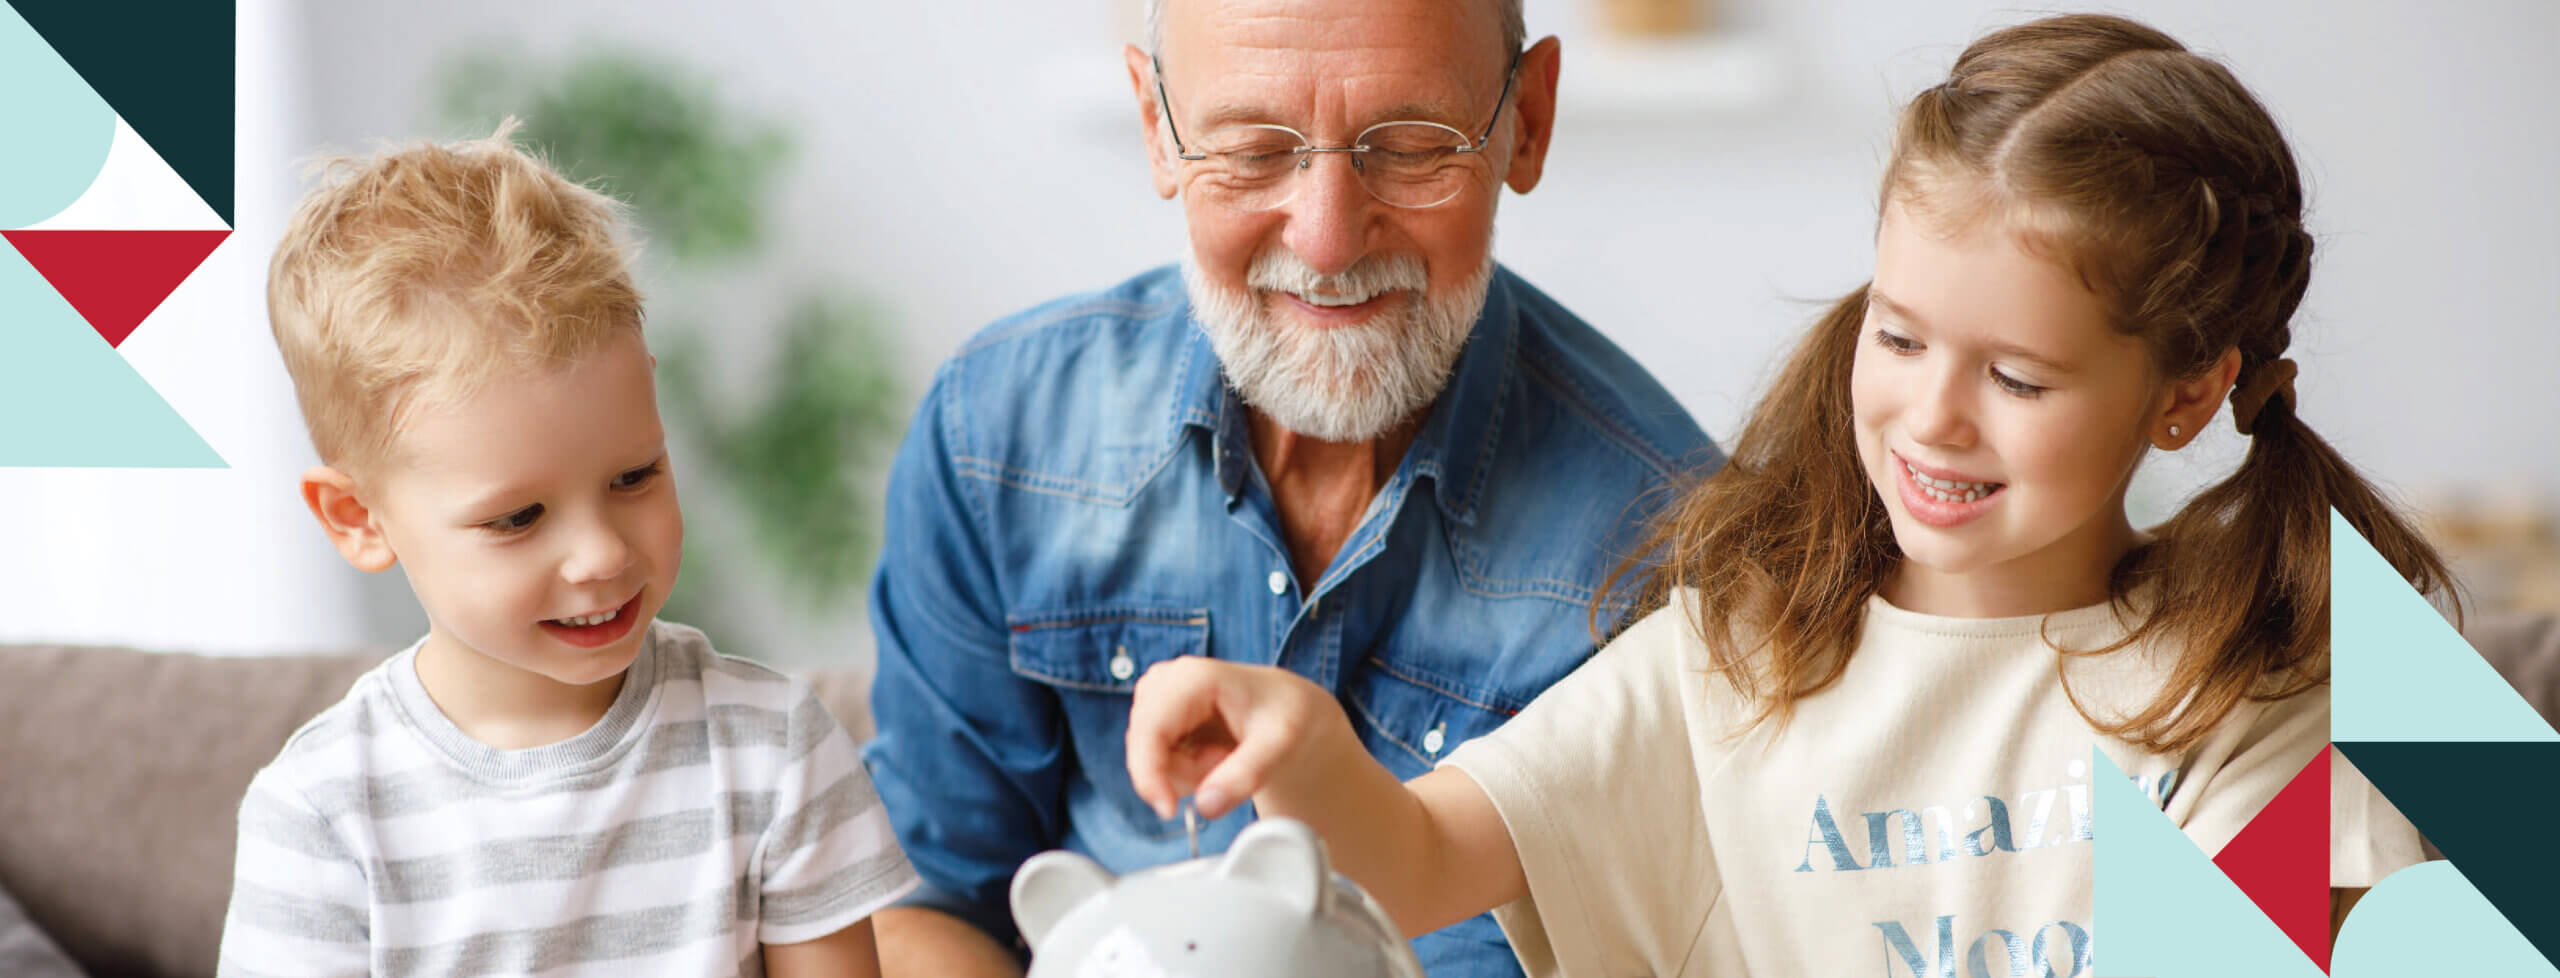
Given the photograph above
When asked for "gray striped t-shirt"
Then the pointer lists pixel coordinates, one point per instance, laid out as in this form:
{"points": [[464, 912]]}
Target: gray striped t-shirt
{"points": [[716, 808]]}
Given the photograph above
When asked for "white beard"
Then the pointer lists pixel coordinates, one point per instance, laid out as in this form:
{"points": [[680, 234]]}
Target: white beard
{"points": [[1345, 383]]}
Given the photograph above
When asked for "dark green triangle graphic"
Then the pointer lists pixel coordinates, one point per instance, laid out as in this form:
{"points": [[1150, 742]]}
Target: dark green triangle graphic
{"points": [[2488, 806], [165, 67]]}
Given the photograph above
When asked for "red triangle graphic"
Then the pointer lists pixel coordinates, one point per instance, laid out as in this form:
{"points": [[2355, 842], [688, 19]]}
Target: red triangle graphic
{"points": [[2281, 860], [115, 278]]}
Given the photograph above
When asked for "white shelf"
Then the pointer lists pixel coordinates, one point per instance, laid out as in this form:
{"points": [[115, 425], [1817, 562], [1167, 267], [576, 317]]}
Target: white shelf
{"points": [[1673, 78], [1603, 78]]}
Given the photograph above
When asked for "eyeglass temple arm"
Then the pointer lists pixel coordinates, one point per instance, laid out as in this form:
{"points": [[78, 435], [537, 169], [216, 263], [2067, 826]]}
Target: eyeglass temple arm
{"points": [[1510, 76], [1164, 107]]}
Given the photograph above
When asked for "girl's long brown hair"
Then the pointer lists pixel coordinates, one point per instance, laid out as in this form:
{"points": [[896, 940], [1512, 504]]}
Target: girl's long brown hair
{"points": [[2158, 178]]}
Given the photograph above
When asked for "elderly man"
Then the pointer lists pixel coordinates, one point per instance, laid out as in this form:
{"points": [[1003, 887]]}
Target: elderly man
{"points": [[1340, 440]]}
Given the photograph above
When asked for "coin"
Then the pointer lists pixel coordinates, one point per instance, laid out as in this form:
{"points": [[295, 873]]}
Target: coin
{"points": [[1191, 825]]}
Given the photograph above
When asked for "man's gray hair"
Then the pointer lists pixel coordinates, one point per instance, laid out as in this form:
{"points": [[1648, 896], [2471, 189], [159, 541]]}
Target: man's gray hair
{"points": [[1515, 29]]}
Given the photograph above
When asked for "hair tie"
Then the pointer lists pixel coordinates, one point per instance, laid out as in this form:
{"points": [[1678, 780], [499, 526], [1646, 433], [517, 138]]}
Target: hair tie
{"points": [[2268, 382]]}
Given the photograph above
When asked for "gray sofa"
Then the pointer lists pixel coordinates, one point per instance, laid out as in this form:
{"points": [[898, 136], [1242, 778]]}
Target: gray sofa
{"points": [[120, 780], [120, 773]]}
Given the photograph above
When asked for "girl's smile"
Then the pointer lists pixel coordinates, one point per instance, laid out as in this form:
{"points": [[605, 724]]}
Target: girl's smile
{"points": [[1940, 497]]}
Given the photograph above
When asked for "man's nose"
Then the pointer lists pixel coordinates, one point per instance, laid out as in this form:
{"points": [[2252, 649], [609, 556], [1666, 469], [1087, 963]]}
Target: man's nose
{"points": [[1330, 215]]}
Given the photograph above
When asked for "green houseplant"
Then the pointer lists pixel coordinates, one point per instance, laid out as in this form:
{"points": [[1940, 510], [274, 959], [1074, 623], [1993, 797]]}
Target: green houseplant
{"points": [[790, 419]]}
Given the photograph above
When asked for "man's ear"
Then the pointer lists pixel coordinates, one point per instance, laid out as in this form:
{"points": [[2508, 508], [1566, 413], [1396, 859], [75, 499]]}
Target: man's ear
{"points": [[1533, 115], [344, 516], [1142, 83]]}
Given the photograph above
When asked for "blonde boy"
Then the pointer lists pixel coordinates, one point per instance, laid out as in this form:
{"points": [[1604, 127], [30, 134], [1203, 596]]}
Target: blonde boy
{"points": [[550, 780]]}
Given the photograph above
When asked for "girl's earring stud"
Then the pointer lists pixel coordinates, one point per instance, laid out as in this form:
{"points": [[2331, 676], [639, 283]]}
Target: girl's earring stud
{"points": [[2173, 431]]}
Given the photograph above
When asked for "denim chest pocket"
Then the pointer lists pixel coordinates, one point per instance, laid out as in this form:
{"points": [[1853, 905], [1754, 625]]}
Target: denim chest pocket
{"points": [[1411, 718], [1106, 649], [1092, 657]]}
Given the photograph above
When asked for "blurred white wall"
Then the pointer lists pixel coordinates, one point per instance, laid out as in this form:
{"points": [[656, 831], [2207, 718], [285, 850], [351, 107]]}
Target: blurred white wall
{"points": [[212, 560], [963, 159], [952, 166]]}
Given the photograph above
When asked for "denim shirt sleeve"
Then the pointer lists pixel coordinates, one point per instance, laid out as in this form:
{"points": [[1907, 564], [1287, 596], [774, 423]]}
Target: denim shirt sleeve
{"points": [[967, 758]]}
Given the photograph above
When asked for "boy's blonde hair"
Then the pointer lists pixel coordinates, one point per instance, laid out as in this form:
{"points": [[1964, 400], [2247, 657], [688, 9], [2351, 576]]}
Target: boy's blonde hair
{"points": [[407, 278]]}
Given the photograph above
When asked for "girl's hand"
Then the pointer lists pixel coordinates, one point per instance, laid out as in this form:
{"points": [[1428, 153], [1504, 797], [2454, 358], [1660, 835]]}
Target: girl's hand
{"points": [[1433, 852], [1223, 732]]}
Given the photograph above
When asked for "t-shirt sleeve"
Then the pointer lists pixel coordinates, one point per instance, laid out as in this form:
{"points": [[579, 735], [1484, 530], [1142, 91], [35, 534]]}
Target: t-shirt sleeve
{"points": [[2267, 747], [1598, 787], [830, 856], [2368, 837], [299, 904]]}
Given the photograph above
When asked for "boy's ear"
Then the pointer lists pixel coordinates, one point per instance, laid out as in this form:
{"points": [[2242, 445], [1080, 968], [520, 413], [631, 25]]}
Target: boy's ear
{"points": [[343, 515]]}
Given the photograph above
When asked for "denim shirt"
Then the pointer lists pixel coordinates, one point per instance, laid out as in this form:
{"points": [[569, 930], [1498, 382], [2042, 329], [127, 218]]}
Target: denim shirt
{"points": [[1077, 501]]}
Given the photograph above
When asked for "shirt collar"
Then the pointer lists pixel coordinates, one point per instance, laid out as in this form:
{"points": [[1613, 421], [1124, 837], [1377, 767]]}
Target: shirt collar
{"points": [[1456, 444]]}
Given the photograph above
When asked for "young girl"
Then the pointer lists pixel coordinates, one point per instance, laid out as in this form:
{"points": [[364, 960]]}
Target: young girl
{"points": [[1853, 736]]}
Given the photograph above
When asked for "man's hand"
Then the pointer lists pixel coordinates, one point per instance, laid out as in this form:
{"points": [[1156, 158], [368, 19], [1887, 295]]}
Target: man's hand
{"points": [[1224, 732], [916, 942], [848, 952]]}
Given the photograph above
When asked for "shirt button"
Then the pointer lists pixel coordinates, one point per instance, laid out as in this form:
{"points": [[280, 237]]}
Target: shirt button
{"points": [[1121, 667], [1279, 582], [1432, 742]]}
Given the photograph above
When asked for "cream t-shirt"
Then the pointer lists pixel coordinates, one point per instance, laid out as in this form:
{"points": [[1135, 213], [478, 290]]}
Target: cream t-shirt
{"points": [[1928, 814]]}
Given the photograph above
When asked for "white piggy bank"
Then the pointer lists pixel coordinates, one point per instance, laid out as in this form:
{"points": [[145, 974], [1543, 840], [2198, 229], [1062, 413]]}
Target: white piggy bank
{"points": [[1270, 907]]}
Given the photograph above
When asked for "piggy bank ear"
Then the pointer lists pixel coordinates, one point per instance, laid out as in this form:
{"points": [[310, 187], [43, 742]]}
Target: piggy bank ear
{"points": [[1285, 856], [1051, 884]]}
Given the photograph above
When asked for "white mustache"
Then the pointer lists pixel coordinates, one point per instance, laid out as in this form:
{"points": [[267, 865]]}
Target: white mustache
{"points": [[1281, 270]]}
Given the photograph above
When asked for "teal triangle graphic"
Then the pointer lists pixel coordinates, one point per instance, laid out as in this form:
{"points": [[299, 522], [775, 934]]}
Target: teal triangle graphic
{"points": [[2428, 919], [2399, 671], [2442, 788], [59, 129], [68, 399], [167, 68], [2163, 907]]}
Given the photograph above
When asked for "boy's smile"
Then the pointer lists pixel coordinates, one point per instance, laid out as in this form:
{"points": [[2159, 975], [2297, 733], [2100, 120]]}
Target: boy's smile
{"points": [[597, 628]]}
